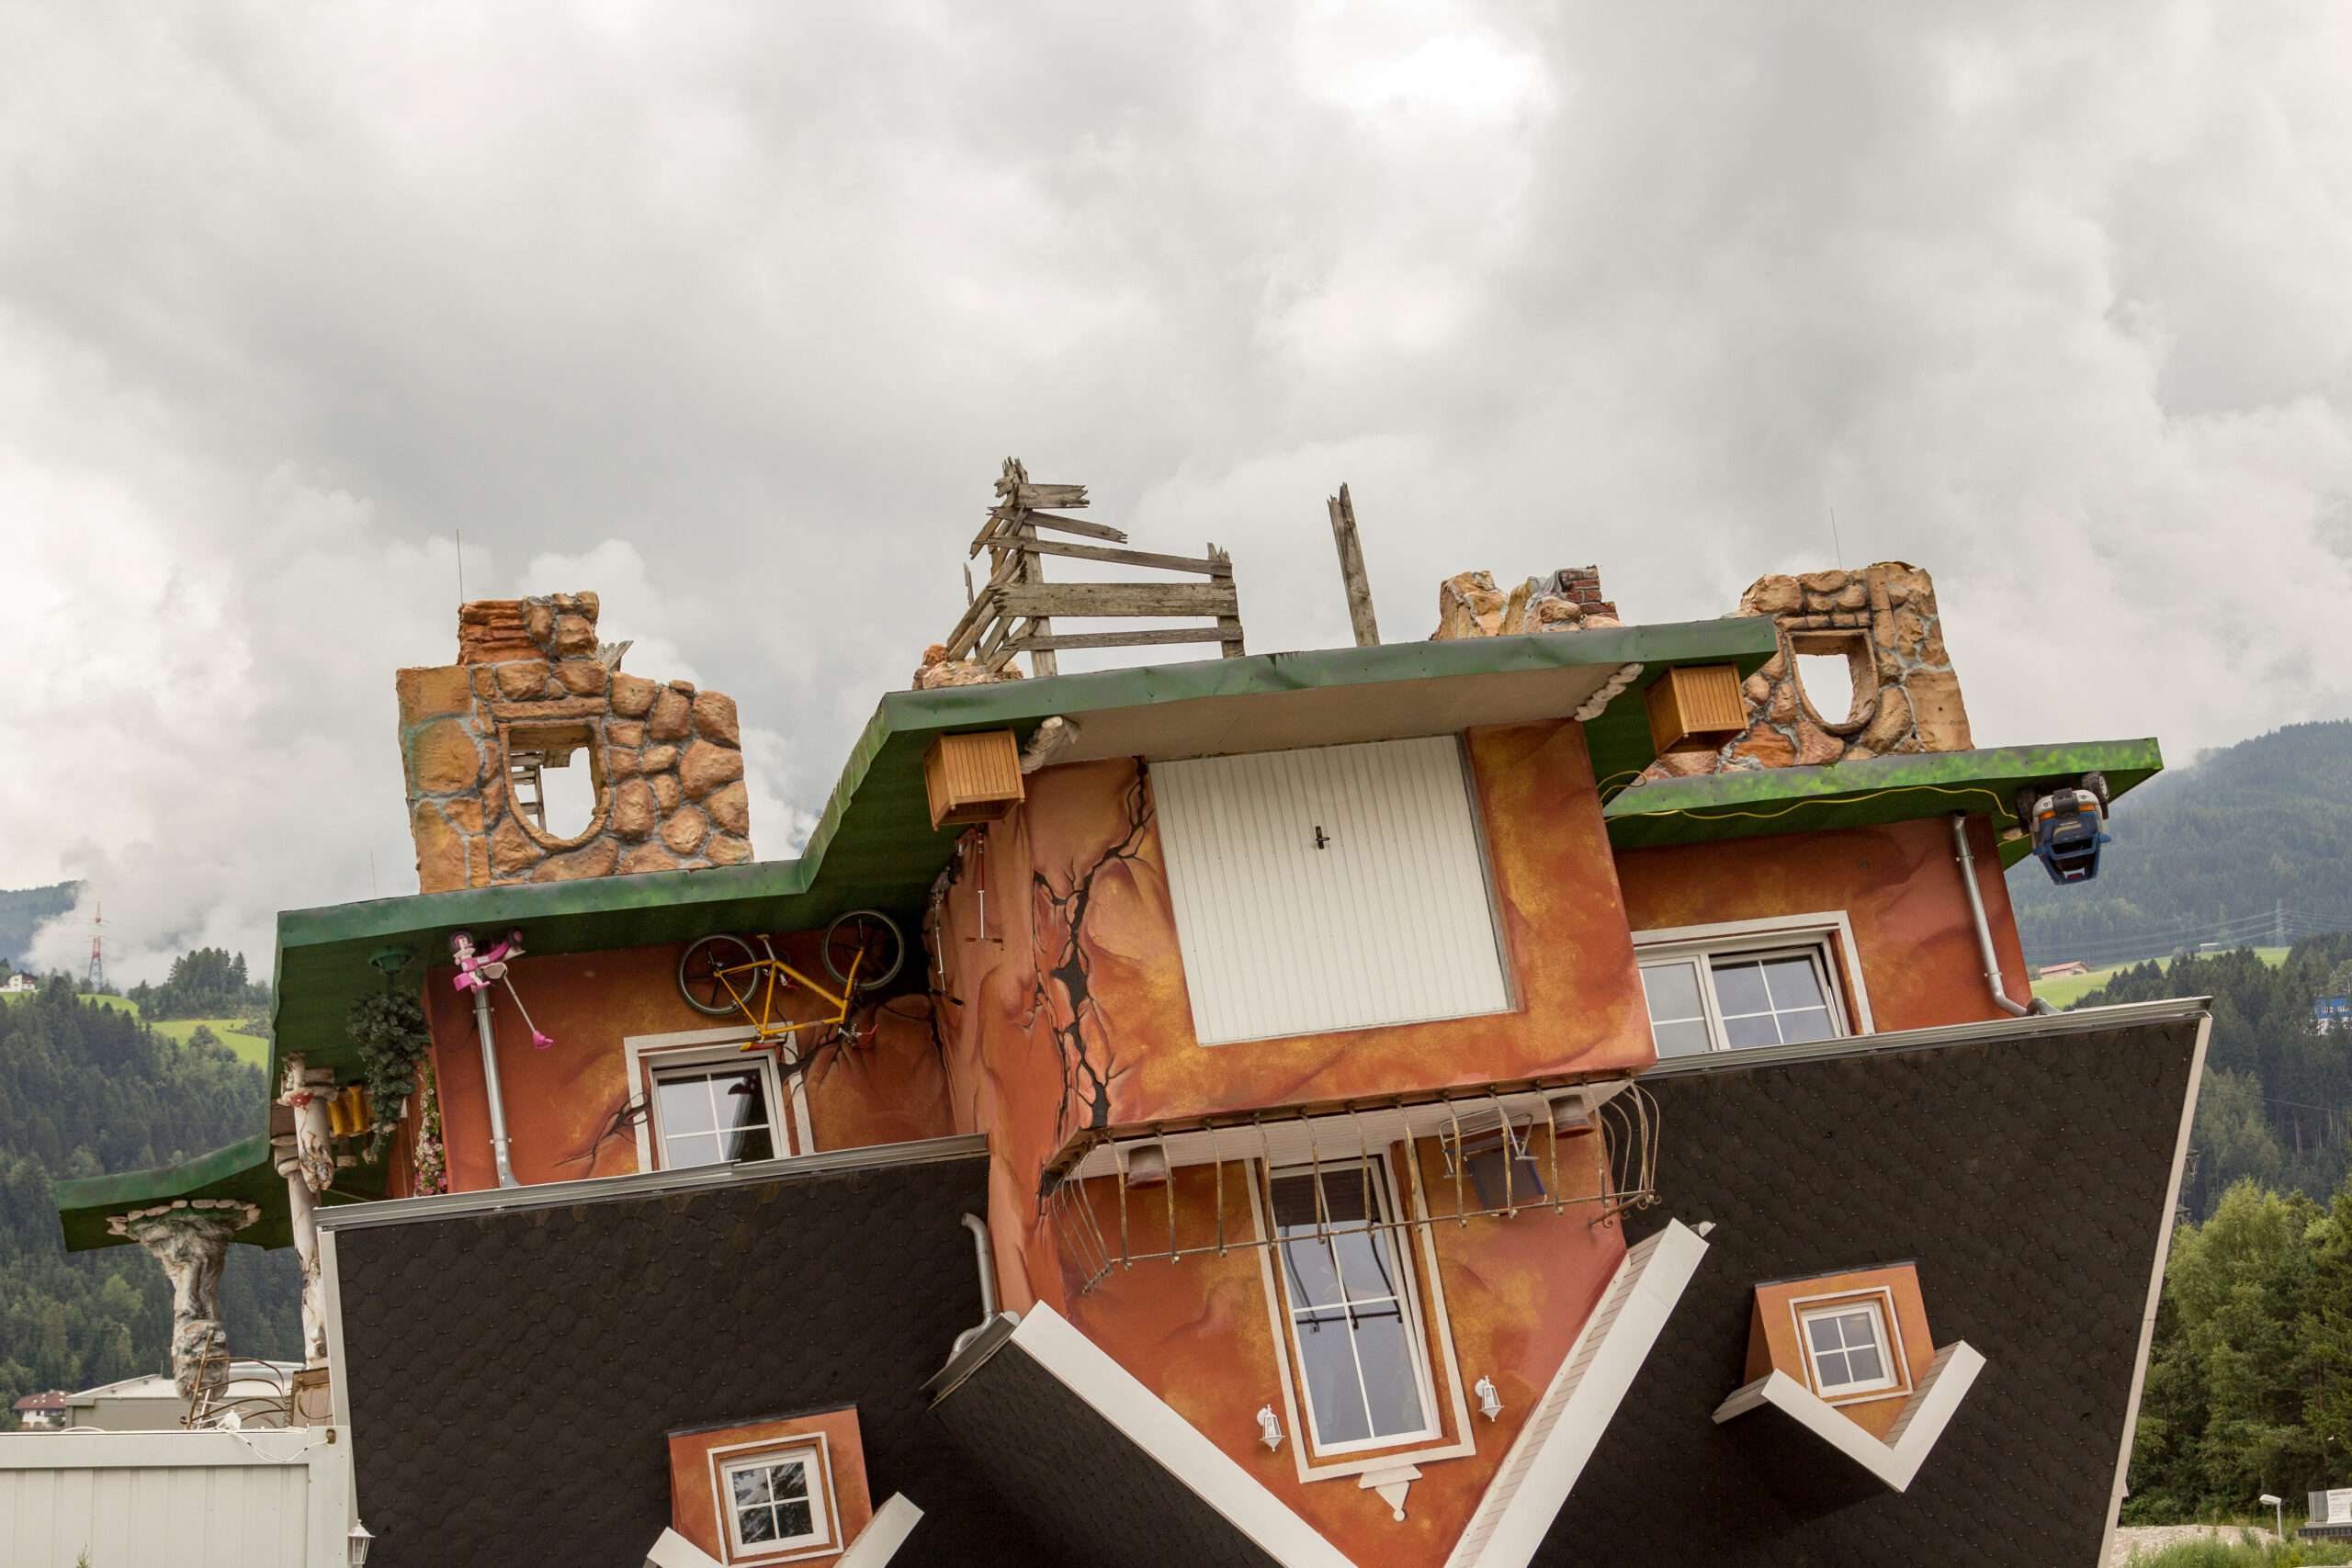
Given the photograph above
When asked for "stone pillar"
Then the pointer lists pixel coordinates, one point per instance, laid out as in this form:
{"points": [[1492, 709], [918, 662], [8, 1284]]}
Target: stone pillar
{"points": [[191, 1245], [307, 1162]]}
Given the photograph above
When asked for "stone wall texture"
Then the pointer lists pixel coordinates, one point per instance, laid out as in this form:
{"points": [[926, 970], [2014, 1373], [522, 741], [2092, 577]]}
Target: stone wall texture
{"points": [[1883, 619], [667, 760], [1469, 604]]}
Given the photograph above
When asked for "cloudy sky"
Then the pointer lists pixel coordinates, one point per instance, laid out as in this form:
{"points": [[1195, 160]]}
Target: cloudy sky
{"points": [[729, 313]]}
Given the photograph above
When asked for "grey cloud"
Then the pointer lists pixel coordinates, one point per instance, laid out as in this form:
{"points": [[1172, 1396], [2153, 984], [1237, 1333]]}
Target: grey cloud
{"points": [[739, 306]]}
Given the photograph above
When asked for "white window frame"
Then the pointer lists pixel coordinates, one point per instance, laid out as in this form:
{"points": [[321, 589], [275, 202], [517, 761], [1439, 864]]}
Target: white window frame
{"points": [[1880, 1303], [648, 1053], [1433, 1332], [810, 1450], [1827, 937]]}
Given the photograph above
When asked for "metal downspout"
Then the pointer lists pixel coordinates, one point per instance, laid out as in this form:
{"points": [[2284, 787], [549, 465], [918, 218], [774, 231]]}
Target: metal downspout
{"points": [[498, 1139], [1993, 980], [987, 1261]]}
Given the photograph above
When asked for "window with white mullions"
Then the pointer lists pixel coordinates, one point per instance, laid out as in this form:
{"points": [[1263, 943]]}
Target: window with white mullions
{"points": [[1702, 1000], [1847, 1346], [712, 1114], [1347, 1292], [773, 1504]]}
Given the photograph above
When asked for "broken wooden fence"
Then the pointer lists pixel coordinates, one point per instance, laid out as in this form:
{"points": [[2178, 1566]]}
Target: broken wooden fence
{"points": [[1015, 610]]}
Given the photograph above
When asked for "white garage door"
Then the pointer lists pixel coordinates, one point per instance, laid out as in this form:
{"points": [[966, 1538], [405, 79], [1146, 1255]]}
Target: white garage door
{"points": [[1329, 888]]}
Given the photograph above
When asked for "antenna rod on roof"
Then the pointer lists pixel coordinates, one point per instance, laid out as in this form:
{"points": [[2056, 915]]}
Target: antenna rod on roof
{"points": [[1352, 573]]}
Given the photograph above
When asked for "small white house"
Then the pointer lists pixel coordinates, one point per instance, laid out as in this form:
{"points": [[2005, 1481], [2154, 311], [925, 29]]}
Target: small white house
{"points": [[18, 983]]}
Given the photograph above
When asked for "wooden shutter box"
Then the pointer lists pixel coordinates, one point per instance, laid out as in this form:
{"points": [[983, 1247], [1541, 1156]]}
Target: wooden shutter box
{"points": [[973, 778], [1694, 701]]}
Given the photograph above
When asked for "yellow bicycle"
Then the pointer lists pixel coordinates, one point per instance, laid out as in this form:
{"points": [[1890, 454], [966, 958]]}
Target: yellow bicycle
{"points": [[723, 975]]}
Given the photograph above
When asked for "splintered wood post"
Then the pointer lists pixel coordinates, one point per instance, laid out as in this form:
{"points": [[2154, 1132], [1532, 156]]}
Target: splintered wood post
{"points": [[1221, 576], [1351, 572], [1042, 661]]}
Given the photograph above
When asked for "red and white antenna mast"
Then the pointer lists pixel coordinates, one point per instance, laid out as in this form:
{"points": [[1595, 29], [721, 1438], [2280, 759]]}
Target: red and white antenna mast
{"points": [[97, 979]]}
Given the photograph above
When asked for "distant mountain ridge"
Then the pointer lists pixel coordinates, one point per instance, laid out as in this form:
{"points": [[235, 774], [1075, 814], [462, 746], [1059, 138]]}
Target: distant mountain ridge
{"points": [[23, 910], [2250, 844]]}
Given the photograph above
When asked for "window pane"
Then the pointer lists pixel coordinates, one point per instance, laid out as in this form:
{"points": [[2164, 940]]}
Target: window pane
{"points": [[1832, 1368], [755, 1523], [749, 1485], [1331, 1386], [1757, 1029], [1673, 992], [1809, 1023], [1739, 988], [701, 1149], [793, 1519], [1314, 1280], [1823, 1331], [741, 1100], [754, 1142], [1390, 1386], [789, 1481], [1367, 1264], [1688, 1039], [1865, 1364], [1795, 983], [684, 1104]]}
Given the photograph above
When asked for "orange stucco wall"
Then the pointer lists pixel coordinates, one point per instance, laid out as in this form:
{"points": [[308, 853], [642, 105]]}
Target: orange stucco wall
{"points": [[1066, 1010], [1898, 885], [567, 1106], [1201, 1333]]}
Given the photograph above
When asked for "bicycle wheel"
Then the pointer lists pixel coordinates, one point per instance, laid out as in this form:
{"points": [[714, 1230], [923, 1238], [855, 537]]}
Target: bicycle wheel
{"points": [[701, 979], [871, 939]]}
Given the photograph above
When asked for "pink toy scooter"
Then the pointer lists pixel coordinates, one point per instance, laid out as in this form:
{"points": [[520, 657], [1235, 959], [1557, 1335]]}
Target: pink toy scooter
{"points": [[476, 971]]}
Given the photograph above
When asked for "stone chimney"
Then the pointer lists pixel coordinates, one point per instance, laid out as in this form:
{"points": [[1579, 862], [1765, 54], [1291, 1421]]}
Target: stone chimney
{"points": [[1882, 620], [533, 690]]}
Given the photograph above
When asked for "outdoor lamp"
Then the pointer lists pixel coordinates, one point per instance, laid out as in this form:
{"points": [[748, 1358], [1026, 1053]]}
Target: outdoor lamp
{"points": [[2280, 1505], [359, 1541]]}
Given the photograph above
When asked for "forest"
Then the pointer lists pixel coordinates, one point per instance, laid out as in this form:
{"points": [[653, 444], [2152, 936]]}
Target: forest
{"points": [[207, 982], [85, 1088]]}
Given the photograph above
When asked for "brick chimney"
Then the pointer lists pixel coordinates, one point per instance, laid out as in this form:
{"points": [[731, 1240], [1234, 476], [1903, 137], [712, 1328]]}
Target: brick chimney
{"points": [[533, 690]]}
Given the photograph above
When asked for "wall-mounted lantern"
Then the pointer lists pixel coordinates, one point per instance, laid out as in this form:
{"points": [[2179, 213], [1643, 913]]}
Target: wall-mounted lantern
{"points": [[1269, 1427], [1490, 1403], [359, 1541]]}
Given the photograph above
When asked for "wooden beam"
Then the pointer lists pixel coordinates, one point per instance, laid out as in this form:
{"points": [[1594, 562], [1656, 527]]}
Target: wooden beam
{"points": [[1352, 573], [1045, 599], [976, 613], [1231, 624], [1033, 495], [1128, 639], [1005, 522], [1204, 565]]}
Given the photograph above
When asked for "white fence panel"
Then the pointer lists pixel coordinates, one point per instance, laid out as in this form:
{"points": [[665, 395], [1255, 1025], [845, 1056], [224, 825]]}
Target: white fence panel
{"points": [[261, 1499]]}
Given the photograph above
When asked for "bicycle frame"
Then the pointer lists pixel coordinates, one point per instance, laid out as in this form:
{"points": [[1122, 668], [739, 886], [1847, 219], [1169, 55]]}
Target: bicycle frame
{"points": [[777, 975]]}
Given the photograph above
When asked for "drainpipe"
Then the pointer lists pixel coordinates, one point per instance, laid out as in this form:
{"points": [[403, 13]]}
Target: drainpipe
{"points": [[983, 1256], [1993, 980], [498, 1139]]}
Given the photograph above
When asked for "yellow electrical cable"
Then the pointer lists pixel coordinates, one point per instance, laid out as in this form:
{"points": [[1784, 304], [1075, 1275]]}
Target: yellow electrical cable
{"points": [[1705, 814]]}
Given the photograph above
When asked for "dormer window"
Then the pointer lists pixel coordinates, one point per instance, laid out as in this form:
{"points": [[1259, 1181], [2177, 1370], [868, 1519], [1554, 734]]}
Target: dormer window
{"points": [[776, 1504], [1845, 1348]]}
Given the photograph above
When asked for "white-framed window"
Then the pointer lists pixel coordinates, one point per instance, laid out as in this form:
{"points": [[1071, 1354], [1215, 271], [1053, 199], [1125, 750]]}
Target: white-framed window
{"points": [[1749, 983], [1848, 1348], [776, 1500], [707, 1101], [1351, 1308]]}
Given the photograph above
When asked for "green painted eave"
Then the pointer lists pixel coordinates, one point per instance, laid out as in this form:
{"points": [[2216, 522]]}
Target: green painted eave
{"points": [[875, 847], [1863, 794], [243, 1171]]}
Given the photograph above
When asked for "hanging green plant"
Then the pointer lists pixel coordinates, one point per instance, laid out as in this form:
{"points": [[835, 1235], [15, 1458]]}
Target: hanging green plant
{"points": [[390, 1032]]}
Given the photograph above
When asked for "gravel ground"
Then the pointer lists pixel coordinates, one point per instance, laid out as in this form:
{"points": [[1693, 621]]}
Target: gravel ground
{"points": [[2132, 1539]]}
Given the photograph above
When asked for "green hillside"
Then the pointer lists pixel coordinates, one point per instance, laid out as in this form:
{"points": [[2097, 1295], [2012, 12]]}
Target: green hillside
{"points": [[2252, 844]]}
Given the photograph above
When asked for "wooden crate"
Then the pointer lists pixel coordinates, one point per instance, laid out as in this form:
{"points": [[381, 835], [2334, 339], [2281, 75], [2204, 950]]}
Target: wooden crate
{"points": [[973, 778], [1694, 702]]}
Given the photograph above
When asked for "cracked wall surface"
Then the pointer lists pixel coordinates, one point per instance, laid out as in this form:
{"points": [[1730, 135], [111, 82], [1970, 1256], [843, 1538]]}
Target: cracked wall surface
{"points": [[666, 759]]}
